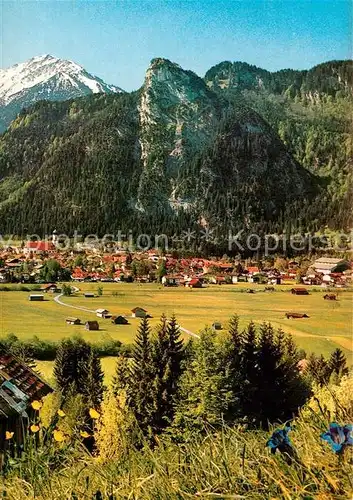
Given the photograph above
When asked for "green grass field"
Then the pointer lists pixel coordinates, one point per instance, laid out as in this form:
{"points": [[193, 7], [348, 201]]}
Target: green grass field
{"points": [[329, 325]]}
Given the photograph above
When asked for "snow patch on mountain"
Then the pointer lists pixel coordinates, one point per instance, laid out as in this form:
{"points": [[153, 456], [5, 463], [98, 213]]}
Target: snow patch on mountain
{"points": [[45, 77], [40, 69]]}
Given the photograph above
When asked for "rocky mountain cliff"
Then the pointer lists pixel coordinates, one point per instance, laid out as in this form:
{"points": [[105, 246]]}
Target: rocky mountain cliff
{"points": [[198, 147], [179, 154], [44, 77]]}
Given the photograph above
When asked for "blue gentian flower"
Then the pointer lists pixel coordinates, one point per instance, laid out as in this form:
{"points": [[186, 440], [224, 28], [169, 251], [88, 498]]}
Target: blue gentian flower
{"points": [[338, 436], [280, 441]]}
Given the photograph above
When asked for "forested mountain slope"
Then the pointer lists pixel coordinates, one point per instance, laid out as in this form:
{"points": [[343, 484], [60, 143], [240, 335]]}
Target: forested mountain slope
{"points": [[184, 152], [312, 113]]}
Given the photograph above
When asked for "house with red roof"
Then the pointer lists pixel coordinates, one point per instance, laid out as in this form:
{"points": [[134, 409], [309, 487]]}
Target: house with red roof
{"points": [[37, 247], [194, 283], [253, 270]]}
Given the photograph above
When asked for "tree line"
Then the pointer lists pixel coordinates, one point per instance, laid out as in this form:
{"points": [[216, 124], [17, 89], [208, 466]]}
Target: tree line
{"points": [[250, 377]]}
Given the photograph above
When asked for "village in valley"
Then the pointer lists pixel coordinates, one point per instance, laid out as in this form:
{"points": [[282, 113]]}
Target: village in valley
{"points": [[25, 263], [108, 290], [99, 295]]}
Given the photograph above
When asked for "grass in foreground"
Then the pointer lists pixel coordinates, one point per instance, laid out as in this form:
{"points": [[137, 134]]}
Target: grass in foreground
{"points": [[231, 463]]}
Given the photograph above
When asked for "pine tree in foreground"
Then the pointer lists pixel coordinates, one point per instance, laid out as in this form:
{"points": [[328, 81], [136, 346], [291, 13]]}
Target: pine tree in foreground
{"points": [[122, 374], [204, 395], [168, 354], [338, 365], [248, 371], [280, 389], [318, 370], [232, 348], [77, 370], [141, 379], [93, 376]]}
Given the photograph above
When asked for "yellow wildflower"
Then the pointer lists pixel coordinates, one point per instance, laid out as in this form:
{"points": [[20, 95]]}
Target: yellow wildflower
{"points": [[9, 435], [34, 428], [59, 436], [36, 405], [61, 413], [93, 414], [85, 434]]}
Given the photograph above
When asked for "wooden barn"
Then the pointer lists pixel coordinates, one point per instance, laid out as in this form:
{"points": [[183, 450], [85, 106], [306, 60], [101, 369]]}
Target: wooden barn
{"points": [[119, 320], [299, 291], [34, 297], [330, 296], [92, 325], [103, 313], [73, 321], [19, 387], [294, 315], [49, 288], [138, 312]]}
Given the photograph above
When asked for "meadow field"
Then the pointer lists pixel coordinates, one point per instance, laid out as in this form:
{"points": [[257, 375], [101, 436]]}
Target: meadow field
{"points": [[329, 324]]}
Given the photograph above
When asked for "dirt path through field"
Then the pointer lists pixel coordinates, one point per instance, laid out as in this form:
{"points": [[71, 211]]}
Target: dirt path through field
{"points": [[58, 300]]}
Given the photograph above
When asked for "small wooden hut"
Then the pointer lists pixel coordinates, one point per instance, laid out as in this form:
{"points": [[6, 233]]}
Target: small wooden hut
{"points": [[19, 387]]}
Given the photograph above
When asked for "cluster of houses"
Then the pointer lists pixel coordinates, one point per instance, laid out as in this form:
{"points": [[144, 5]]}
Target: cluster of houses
{"points": [[24, 264], [325, 271]]}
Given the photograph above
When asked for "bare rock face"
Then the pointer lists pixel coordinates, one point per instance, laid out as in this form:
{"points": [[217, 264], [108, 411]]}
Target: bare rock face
{"points": [[197, 147]]}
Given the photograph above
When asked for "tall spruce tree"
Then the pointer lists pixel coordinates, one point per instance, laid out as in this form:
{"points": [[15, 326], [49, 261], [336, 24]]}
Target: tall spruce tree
{"points": [[318, 369], [269, 386], [248, 369], [122, 374], [93, 376], [232, 354], [141, 380], [160, 348], [267, 398], [338, 365], [204, 395], [168, 368], [77, 370]]}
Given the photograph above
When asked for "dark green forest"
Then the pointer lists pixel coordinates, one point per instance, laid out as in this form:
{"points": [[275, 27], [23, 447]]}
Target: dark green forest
{"points": [[277, 157]]}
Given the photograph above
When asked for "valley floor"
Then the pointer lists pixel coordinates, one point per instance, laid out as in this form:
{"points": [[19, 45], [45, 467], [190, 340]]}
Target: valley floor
{"points": [[328, 325]]}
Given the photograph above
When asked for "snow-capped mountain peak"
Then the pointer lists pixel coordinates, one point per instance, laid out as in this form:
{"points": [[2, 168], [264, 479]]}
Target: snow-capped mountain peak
{"points": [[45, 77]]}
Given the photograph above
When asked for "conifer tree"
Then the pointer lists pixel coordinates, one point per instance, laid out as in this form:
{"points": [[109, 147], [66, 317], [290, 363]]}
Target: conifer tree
{"points": [[203, 388], [160, 346], [77, 370], [267, 397], [92, 377], [232, 355], [167, 358], [338, 365], [142, 375], [248, 368], [318, 369], [273, 388], [175, 355], [122, 373]]}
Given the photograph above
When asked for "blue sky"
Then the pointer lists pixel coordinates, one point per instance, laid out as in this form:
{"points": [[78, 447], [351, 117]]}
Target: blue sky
{"points": [[117, 39]]}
